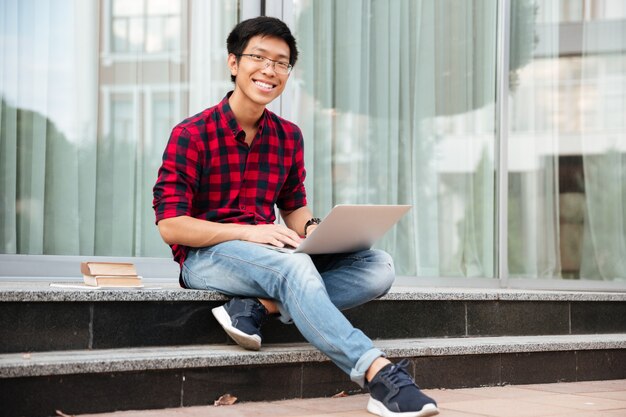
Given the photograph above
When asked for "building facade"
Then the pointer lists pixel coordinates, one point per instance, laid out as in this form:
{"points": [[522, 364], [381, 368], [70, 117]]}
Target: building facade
{"points": [[501, 122]]}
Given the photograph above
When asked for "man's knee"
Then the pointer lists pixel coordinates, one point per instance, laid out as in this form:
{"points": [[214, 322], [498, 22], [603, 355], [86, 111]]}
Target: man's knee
{"points": [[383, 272], [300, 272]]}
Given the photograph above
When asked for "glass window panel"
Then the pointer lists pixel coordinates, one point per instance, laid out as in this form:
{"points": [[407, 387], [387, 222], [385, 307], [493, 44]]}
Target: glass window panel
{"points": [[396, 103], [164, 116], [567, 195], [162, 33], [155, 34], [571, 10], [136, 34], [154, 28], [122, 110], [163, 7], [83, 131], [605, 10], [120, 35], [171, 32], [165, 113], [128, 8], [115, 181]]}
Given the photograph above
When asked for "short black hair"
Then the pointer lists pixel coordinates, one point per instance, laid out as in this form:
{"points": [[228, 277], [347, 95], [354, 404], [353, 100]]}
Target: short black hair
{"points": [[260, 26]]}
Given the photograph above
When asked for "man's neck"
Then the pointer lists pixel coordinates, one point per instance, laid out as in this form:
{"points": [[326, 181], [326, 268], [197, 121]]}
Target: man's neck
{"points": [[246, 113]]}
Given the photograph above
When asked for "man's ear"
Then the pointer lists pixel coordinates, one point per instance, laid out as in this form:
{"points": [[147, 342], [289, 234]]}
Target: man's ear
{"points": [[233, 65]]}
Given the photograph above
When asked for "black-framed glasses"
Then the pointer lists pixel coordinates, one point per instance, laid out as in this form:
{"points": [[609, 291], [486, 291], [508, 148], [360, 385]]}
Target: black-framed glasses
{"points": [[281, 67]]}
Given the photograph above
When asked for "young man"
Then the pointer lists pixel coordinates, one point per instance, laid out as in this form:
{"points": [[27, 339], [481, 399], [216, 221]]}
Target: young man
{"points": [[223, 172]]}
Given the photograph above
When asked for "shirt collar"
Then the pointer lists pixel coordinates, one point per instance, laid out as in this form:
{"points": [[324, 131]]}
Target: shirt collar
{"points": [[228, 114]]}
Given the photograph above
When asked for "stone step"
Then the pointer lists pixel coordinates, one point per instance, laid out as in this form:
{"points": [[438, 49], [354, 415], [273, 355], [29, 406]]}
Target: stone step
{"points": [[90, 381], [37, 317], [178, 357]]}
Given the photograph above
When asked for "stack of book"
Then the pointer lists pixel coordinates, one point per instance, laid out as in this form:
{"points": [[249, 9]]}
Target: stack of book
{"points": [[110, 274]]}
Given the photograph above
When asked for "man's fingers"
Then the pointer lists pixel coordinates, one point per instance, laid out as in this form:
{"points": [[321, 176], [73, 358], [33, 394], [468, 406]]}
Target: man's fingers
{"points": [[277, 243], [288, 237], [275, 234], [294, 237], [289, 242]]}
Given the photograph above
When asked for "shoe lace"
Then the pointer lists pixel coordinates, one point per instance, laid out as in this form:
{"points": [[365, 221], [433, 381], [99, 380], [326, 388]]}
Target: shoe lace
{"points": [[399, 376], [260, 314]]}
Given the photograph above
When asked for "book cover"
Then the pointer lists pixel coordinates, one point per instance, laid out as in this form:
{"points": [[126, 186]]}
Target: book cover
{"points": [[112, 281], [108, 268]]}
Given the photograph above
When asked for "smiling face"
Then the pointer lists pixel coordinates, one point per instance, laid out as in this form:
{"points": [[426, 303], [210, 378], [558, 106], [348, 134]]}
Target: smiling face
{"points": [[256, 84]]}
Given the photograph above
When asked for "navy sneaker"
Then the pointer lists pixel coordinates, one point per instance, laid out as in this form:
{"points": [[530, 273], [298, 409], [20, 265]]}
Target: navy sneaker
{"points": [[393, 393], [242, 319]]}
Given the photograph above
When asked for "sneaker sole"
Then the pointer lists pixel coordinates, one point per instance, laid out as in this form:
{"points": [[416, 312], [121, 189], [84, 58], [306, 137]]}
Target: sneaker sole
{"points": [[378, 408], [246, 341]]}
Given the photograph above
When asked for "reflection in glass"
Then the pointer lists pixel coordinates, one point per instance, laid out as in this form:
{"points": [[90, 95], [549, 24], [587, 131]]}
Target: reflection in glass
{"points": [[145, 25], [396, 103], [567, 159], [83, 123]]}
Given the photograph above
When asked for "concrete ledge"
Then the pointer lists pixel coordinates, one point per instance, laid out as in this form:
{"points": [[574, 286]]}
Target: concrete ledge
{"points": [[41, 291], [177, 357]]}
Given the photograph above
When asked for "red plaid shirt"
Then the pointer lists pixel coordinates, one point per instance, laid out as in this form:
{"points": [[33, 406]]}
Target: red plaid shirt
{"points": [[210, 173]]}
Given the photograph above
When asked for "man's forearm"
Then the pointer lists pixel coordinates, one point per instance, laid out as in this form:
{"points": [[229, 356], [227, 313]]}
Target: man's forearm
{"points": [[197, 233], [296, 219]]}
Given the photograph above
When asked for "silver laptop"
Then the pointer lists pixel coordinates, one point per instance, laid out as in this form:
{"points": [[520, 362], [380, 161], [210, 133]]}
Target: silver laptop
{"points": [[349, 228]]}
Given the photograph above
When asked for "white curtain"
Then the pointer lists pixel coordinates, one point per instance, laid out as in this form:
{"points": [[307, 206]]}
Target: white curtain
{"points": [[209, 78], [567, 181], [396, 103], [49, 101], [603, 136], [90, 91], [534, 142]]}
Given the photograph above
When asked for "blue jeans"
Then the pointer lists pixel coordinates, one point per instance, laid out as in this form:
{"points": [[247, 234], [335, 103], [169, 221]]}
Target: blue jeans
{"points": [[310, 290]]}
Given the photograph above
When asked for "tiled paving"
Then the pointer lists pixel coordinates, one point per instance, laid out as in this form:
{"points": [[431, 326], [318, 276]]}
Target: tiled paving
{"points": [[580, 399]]}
